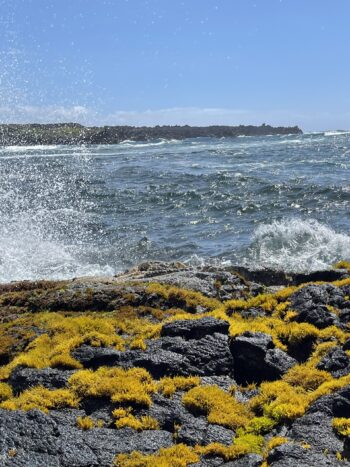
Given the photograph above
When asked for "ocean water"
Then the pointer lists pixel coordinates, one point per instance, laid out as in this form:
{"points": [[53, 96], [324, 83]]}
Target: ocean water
{"points": [[278, 201]]}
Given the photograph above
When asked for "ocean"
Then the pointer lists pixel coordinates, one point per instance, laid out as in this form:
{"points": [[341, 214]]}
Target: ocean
{"points": [[275, 201]]}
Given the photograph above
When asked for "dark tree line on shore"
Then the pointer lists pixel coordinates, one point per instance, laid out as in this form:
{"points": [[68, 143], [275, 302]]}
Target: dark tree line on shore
{"points": [[73, 133]]}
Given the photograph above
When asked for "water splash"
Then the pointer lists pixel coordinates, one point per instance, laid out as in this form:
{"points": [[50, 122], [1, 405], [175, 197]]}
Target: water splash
{"points": [[298, 245]]}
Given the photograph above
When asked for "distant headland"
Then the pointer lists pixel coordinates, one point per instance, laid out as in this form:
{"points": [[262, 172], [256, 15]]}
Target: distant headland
{"points": [[74, 133]]}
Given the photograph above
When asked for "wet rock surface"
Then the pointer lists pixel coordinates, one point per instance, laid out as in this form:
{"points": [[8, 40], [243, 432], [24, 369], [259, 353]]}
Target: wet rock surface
{"points": [[220, 331]]}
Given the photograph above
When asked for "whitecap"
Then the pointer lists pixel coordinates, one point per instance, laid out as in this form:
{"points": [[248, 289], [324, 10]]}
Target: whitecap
{"points": [[297, 245], [336, 133]]}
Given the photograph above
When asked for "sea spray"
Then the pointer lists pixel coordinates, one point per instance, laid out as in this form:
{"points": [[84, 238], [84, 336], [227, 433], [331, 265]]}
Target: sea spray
{"points": [[68, 211], [298, 245]]}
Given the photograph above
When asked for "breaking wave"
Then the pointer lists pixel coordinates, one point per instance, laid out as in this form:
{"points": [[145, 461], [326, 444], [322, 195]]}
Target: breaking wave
{"points": [[297, 245]]}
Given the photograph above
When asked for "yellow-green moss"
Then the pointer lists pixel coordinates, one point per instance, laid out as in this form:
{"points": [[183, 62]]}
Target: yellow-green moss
{"points": [[243, 443], [5, 392], [85, 423], [228, 453], [169, 385], [342, 265], [342, 426], [188, 298], [276, 402], [284, 334], [42, 399], [280, 401], [260, 425], [178, 455], [122, 386], [220, 407], [125, 418], [275, 442], [306, 377]]}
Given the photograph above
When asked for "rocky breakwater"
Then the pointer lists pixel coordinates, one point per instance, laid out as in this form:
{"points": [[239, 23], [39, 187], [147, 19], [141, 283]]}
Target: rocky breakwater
{"points": [[173, 366]]}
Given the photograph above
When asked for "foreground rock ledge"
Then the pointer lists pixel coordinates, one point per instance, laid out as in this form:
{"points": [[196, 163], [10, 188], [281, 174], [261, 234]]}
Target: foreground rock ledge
{"points": [[172, 365]]}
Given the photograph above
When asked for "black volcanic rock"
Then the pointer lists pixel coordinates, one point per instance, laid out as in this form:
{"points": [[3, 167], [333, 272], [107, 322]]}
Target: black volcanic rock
{"points": [[316, 430], [36, 439], [195, 329], [69, 316], [295, 455], [171, 356], [208, 355], [51, 378], [256, 359], [72, 133], [336, 361], [313, 302]]}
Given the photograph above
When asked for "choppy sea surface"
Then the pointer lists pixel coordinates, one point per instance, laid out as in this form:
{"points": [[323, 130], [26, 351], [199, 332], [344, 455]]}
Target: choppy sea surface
{"points": [[277, 201]]}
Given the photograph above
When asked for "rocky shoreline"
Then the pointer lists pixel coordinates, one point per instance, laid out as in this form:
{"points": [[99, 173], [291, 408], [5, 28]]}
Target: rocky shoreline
{"points": [[73, 133], [176, 366]]}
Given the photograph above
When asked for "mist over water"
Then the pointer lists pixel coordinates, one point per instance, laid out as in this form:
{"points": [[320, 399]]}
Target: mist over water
{"points": [[272, 201]]}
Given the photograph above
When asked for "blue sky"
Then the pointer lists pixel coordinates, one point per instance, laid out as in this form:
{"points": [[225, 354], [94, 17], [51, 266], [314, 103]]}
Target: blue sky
{"points": [[170, 61]]}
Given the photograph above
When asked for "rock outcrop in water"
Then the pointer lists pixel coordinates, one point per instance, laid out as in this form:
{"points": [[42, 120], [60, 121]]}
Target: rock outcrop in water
{"points": [[173, 366], [73, 133]]}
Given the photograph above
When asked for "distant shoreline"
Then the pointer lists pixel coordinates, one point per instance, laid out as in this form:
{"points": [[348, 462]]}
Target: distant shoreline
{"points": [[74, 133]]}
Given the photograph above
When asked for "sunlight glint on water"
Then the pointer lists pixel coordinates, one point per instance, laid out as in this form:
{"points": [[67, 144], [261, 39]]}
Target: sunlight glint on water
{"points": [[281, 202]]}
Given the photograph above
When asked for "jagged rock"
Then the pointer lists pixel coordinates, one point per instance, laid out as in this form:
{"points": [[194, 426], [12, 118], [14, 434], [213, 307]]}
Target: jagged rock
{"points": [[99, 408], [66, 416], [311, 302], [195, 329], [250, 460], [294, 455], [208, 356], [341, 402], [256, 359], [209, 462], [198, 431], [336, 361], [346, 451], [148, 269], [224, 382], [316, 429], [94, 357], [167, 356], [252, 313], [271, 277], [51, 378], [335, 405], [185, 347], [211, 282], [344, 315], [168, 411], [324, 404], [278, 363], [319, 316], [35, 439], [191, 430]]}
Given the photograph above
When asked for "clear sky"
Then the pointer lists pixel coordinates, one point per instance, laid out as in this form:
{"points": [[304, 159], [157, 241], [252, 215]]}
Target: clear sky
{"points": [[171, 61]]}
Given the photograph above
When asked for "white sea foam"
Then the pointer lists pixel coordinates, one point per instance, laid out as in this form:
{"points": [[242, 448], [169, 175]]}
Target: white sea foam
{"points": [[336, 133], [138, 144], [298, 245], [27, 252]]}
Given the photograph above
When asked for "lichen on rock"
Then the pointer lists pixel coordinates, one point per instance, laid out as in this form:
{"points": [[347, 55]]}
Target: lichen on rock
{"points": [[170, 365]]}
